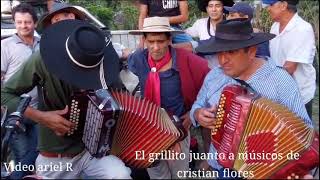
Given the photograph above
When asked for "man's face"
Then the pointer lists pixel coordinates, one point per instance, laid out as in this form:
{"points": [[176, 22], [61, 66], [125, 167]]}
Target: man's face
{"points": [[236, 63], [215, 9], [24, 24], [275, 10], [157, 44], [62, 16], [235, 15]]}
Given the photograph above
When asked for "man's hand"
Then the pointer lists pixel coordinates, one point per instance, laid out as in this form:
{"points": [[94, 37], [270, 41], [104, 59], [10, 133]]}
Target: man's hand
{"points": [[186, 121], [290, 67], [206, 116], [55, 121], [125, 53]]}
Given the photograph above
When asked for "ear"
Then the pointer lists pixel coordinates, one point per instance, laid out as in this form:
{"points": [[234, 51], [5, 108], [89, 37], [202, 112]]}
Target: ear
{"points": [[284, 5], [252, 51]]}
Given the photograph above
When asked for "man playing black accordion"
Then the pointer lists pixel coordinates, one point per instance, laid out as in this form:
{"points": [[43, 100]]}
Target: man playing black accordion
{"points": [[236, 45], [73, 57]]}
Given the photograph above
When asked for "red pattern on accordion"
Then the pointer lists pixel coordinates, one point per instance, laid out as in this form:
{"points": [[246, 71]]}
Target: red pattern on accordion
{"points": [[267, 147], [248, 124]]}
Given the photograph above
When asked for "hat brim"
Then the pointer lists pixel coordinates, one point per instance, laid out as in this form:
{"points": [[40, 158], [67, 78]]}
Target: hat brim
{"points": [[57, 61], [45, 21], [215, 45], [229, 9], [140, 32]]}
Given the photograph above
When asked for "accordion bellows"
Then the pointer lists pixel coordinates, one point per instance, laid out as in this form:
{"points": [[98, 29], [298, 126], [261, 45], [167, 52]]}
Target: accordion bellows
{"points": [[262, 135], [115, 122], [143, 126]]}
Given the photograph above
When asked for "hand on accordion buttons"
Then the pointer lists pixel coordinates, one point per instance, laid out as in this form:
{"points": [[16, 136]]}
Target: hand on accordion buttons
{"points": [[55, 121], [206, 116]]}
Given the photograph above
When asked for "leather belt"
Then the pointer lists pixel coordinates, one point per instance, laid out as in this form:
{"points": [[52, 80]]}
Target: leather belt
{"points": [[57, 155]]}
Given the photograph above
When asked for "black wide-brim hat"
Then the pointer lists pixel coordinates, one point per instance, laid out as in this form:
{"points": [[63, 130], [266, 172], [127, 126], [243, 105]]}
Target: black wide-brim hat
{"points": [[202, 4], [57, 61], [58, 7], [231, 35]]}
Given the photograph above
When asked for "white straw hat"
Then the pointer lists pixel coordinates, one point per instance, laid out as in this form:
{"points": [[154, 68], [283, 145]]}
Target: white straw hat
{"points": [[155, 24]]}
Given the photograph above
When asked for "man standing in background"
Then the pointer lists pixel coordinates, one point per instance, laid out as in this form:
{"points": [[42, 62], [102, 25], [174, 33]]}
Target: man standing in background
{"points": [[294, 46], [15, 51], [176, 10]]}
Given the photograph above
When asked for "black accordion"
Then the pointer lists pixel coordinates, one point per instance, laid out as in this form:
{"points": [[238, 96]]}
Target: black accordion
{"points": [[115, 122]]}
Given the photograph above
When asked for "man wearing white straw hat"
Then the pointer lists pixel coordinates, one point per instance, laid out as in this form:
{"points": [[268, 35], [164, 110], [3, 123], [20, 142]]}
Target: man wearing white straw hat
{"points": [[171, 78]]}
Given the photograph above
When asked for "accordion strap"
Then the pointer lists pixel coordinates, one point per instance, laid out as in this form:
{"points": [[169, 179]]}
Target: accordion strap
{"points": [[245, 84]]}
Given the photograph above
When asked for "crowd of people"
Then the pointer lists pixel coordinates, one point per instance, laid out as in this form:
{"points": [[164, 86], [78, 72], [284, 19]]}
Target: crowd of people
{"points": [[181, 70]]}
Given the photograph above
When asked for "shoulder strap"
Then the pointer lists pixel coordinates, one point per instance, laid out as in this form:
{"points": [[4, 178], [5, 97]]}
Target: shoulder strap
{"points": [[245, 84]]}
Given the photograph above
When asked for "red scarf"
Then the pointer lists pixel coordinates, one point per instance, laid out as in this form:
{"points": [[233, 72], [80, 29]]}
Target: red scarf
{"points": [[152, 87]]}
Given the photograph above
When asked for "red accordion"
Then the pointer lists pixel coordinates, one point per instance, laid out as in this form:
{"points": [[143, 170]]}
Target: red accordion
{"points": [[262, 135], [120, 124]]}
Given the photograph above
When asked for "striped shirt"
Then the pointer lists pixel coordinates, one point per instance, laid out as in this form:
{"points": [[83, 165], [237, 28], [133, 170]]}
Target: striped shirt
{"points": [[269, 81]]}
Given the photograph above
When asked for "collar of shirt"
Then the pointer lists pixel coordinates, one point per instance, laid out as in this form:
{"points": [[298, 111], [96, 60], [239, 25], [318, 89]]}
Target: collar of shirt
{"points": [[263, 71], [18, 40], [292, 23], [173, 55]]}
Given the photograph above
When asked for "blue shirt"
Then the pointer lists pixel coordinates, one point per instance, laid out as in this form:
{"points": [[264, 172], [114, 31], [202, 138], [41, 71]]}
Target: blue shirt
{"points": [[170, 85], [269, 80]]}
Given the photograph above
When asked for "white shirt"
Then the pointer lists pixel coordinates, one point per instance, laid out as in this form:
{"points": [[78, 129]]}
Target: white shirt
{"points": [[296, 43], [14, 53], [200, 30]]}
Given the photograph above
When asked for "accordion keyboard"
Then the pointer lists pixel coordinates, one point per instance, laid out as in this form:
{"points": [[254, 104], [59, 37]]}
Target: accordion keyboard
{"points": [[74, 116]]}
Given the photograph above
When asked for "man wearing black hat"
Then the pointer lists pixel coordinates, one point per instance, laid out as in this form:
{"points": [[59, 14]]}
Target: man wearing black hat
{"points": [[244, 10], [74, 56], [60, 11], [205, 28], [294, 46], [236, 45]]}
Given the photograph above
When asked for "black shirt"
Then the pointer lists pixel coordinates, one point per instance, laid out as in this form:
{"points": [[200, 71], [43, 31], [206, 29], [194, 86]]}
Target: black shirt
{"points": [[162, 8]]}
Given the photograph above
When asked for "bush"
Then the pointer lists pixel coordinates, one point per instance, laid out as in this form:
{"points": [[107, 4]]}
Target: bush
{"points": [[104, 14], [126, 17]]}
